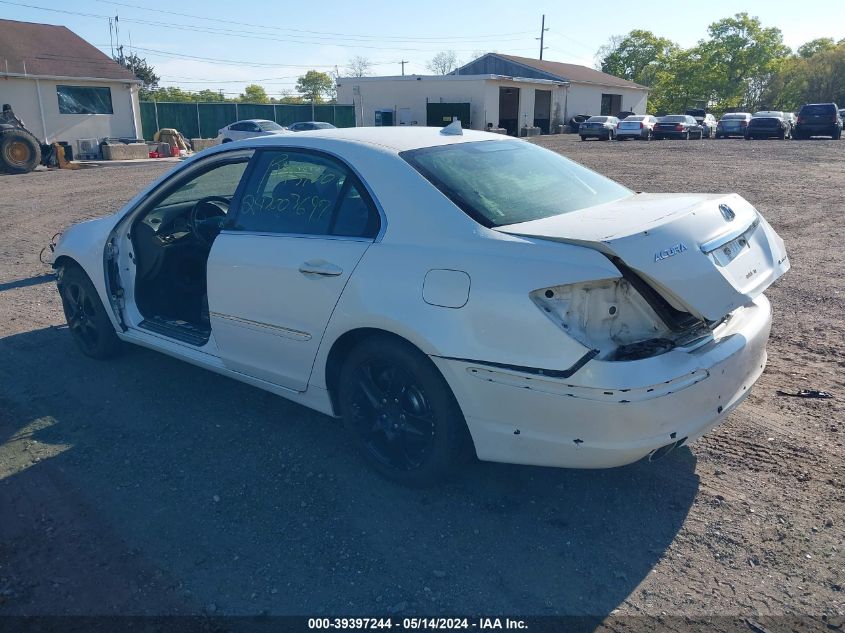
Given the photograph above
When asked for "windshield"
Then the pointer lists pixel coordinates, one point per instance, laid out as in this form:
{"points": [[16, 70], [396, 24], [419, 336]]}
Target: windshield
{"points": [[506, 182], [268, 126]]}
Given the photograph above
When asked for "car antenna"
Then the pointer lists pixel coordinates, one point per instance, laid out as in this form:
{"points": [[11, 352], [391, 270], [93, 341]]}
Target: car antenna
{"points": [[453, 129]]}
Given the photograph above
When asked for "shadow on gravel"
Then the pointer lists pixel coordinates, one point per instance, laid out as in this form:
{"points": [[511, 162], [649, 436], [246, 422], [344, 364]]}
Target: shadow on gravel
{"points": [[168, 487]]}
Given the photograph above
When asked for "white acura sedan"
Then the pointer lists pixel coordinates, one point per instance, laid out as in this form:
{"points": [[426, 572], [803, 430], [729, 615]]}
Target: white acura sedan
{"points": [[442, 292]]}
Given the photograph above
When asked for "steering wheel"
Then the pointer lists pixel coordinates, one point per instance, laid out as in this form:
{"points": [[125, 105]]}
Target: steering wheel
{"points": [[206, 218]]}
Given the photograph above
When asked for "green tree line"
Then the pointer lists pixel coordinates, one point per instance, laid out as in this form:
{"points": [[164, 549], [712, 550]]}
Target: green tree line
{"points": [[312, 86], [740, 66]]}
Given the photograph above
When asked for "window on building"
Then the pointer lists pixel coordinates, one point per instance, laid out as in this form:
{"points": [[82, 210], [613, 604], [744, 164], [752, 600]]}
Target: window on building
{"points": [[84, 100]]}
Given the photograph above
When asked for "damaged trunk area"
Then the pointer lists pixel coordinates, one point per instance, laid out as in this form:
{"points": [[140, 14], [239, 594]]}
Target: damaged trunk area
{"points": [[623, 319]]}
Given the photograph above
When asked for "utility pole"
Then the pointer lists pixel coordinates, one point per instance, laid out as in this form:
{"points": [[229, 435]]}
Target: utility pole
{"points": [[543, 30], [403, 62]]}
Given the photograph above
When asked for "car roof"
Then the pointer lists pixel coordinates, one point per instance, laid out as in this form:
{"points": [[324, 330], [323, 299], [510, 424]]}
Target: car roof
{"points": [[398, 139]]}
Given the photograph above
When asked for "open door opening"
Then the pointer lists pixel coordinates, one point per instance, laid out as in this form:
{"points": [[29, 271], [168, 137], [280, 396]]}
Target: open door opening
{"points": [[542, 110], [509, 110], [171, 241]]}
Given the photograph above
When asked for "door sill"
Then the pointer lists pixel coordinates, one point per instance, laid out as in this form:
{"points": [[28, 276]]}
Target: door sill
{"points": [[179, 330]]}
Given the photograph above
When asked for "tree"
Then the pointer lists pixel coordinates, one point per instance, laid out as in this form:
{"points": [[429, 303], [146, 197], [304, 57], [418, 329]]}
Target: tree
{"points": [[314, 85], [254, 93], [209, 95], [359, 66], [443, 63], [287, 96], [142, 70], [637, 56], [817, 45], [740, 58]]}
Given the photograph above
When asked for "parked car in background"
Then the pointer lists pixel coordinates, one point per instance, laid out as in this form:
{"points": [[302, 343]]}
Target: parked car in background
{"points": [[786, 116], [587, 326], [768, 127], [636, 126], [677, 126], [600, 127], [732, 124], [625, 114], [249, 128], [305, 126], [706, 120], [576, 121], [818, 119], [842, 114]]}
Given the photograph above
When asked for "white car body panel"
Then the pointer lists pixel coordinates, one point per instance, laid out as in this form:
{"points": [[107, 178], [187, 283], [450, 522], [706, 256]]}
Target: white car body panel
{"points": [[460, 293]]}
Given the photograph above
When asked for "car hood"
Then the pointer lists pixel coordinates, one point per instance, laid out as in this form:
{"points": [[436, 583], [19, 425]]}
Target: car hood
{"points": [[707, 254]]}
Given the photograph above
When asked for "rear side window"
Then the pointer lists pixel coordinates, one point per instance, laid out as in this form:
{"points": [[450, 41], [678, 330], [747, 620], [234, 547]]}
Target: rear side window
{"points": [[300, 193]]}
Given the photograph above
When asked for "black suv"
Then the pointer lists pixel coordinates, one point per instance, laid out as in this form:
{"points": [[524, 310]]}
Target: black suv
{"points": [[818, 119]]}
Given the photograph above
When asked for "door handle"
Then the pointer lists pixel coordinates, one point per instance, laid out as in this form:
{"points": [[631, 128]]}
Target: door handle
{"points": [[320, 267]]}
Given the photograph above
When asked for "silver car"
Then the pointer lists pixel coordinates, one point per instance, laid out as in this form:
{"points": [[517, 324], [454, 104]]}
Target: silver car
{"points": [[249, 128], [636, 126], [600, 127]]}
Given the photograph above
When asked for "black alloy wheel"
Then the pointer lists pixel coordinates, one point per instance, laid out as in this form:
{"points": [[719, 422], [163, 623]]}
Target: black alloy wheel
{"points": [[401, 413], [89, 325]]}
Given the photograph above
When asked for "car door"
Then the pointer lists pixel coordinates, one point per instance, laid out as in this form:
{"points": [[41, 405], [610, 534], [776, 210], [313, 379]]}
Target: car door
{"points": [[277, 270]]}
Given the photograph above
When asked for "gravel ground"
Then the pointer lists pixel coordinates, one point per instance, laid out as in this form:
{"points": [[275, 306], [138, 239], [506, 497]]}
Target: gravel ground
{"points": [[148, 486]]}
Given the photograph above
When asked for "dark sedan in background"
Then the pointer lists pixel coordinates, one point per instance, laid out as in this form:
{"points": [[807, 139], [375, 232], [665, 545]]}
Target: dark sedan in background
{"points": [[677, 126], [732, 124], [600, 127], [768, 127], [305, 126]]}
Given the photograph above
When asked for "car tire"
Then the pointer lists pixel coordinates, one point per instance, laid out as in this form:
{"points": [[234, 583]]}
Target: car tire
{"points": [[583, 138], [422, 453], [226, 140], [90, 326]]}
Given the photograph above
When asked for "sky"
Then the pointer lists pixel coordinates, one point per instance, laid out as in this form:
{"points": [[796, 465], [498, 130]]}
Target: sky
{"points": [[224, 45]]}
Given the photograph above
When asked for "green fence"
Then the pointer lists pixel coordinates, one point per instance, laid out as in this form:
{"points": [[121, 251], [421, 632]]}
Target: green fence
{"points": [[204, 120]]}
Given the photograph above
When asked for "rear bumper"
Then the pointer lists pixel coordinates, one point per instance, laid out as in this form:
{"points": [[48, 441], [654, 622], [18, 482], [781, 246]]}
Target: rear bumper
{"points": [[611, 413], [672, 134], [597, 132], [637, 133], [816, 130]]}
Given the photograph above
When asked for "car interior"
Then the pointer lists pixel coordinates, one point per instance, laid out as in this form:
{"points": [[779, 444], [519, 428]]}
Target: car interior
{"points": [[172, 241]]}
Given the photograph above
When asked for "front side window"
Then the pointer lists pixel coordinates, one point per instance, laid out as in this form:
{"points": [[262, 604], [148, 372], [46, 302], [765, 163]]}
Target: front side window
{"points": [[506, 182], [221, 181], [299, 193], [84, 100]]}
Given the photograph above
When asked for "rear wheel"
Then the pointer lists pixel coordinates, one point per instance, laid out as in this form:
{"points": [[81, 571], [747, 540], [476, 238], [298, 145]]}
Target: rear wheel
{"points": [[20, 151], [227, 140], [90, 326], [583, 138], [401, 413]]}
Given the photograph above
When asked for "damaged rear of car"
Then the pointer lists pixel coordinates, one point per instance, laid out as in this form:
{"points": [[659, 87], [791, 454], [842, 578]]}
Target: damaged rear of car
{"points": [[672, 331]]}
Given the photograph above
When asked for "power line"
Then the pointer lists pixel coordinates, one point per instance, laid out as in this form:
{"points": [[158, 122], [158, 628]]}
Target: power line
{"points": [[464, 38]]}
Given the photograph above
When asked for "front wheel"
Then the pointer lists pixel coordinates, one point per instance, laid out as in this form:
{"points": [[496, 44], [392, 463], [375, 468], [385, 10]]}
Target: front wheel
{"points": [[20, 152], [89, 324]]}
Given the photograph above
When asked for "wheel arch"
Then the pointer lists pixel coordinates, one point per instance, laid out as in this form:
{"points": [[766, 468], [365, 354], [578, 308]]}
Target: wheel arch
{"points": [[345, 343]]}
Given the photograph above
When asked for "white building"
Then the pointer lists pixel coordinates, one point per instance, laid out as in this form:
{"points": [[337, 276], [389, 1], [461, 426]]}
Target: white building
{"points": [[499, 90], [63, 88]]}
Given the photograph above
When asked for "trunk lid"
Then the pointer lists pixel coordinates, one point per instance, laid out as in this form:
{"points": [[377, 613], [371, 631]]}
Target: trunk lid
{"points": [[706, 254], [630, 125]]}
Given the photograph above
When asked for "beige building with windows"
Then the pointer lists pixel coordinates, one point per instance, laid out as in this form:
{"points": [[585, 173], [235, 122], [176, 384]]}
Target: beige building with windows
{"points": [[63, 88], [500, 91]]}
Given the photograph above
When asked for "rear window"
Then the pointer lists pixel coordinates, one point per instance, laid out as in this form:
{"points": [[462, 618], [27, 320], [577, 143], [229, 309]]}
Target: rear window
{"points": [[635, 118], [674, 118], [507, 182], [734, 116], [597, 119], [819, 108], [700, 113], [269, 126]]}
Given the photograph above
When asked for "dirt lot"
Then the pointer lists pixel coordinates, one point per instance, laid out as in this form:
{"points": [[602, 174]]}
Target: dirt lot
{"points": [[148, 486]]}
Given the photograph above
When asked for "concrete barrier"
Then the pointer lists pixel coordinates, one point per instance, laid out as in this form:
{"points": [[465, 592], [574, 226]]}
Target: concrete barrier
{"points": [[530, 131], [125, 151], [200, 144]]}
